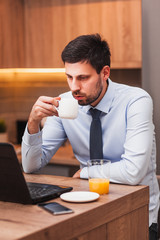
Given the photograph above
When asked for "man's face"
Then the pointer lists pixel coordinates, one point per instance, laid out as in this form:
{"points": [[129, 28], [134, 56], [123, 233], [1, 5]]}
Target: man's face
{"points": [[86, 85]]}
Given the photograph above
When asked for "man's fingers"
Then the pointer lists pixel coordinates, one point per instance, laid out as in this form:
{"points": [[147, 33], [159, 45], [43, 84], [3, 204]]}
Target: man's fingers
{"points": [[49, 100]]}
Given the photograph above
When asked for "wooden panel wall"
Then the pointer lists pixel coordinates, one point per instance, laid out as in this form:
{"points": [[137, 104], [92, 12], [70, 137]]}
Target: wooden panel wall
{"points": [[12, 52], [35, 32]]}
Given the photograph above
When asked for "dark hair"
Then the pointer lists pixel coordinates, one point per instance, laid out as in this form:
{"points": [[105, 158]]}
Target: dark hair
{"points": [[88, 48]]}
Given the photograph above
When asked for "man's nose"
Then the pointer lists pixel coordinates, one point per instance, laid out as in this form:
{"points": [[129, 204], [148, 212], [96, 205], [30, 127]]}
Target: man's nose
{"points": [[75, 85]]}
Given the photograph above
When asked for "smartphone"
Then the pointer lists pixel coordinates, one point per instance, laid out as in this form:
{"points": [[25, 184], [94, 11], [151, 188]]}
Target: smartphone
{"points": [[55, 208]]}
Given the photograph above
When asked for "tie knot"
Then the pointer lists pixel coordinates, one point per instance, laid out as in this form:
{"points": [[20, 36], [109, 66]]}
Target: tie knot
{"points": [[95, 113]]}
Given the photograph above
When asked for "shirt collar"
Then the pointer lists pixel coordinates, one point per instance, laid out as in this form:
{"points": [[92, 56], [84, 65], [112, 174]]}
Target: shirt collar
{"points": [[105, 104]]}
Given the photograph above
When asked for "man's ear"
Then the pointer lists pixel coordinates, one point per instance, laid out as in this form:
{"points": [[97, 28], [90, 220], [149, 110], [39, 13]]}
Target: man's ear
{"points": [[105, 72]]}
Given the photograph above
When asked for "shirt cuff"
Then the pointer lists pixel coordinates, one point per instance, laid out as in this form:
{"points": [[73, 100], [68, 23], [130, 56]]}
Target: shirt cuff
{"points": [[84, 173], [32, 139]]}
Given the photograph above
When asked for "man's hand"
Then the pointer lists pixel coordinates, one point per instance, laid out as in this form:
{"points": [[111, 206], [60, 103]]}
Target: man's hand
{"points": [[77, 174], [44, 107]]}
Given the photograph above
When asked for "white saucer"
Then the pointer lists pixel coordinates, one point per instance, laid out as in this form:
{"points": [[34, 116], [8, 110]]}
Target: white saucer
{"points": [[79, 196]]}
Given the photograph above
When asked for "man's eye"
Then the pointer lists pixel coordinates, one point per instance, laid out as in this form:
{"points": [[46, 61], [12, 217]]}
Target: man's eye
{"points": [[83, 77]]}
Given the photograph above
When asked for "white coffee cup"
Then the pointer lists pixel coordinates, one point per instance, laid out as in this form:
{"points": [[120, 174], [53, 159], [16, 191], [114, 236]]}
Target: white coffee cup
{"points": [[68, 108]]}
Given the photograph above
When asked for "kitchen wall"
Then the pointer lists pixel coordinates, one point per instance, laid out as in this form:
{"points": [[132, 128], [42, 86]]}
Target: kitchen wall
{"points": [[151, 61]]}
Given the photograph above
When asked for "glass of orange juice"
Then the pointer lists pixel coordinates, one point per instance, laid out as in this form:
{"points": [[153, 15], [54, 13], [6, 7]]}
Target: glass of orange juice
{"points": [[99, 175]]}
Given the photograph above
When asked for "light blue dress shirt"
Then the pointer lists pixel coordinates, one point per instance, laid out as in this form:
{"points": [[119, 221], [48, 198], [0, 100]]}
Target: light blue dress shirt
{"points": [[128, 139]]}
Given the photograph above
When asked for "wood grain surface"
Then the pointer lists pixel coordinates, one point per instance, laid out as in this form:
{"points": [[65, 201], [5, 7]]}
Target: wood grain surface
{"points": [[122, 214], [34, 33]]}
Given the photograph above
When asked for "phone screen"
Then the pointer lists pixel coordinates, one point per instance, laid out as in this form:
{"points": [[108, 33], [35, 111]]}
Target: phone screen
{"points": [[55, 208]]}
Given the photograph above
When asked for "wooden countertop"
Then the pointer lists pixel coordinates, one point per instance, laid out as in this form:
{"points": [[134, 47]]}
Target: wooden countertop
{"points": [[122, 214]]}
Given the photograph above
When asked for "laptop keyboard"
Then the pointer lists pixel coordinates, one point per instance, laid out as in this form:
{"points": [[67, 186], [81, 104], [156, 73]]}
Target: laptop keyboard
{"points": [[41, 190]]}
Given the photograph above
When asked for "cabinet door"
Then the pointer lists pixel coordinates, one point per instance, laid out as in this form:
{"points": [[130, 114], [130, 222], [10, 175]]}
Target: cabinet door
{"points": [[46, 26], [51, 24]]}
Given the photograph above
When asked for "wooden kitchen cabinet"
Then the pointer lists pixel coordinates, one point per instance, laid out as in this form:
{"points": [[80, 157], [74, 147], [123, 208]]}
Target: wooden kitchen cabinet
{"points": [[35, 32]]}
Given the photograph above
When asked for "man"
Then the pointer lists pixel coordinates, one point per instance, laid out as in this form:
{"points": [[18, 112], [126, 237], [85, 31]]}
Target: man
{"points": [[126, 121]]}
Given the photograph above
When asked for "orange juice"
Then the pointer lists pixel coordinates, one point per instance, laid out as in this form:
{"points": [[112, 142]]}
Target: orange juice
{"points": [[99, 185]]}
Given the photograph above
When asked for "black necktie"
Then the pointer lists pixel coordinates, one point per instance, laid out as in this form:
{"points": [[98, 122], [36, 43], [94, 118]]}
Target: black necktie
{"points": [[96, 146]]}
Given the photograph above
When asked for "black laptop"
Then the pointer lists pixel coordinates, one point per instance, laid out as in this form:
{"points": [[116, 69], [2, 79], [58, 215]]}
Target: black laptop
{"points": [[14, 188]]}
